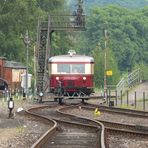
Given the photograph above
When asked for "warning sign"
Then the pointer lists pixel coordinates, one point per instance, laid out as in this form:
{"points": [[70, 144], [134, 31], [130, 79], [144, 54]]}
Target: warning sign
{"points": [[109, 73]]}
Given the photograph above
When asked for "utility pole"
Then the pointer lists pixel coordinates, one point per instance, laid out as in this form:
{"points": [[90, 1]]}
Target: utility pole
{"points": [[26, 42], [105, 64], [34, 70]]}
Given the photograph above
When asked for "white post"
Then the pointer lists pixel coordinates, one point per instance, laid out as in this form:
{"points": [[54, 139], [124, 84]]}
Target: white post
{"points": [[27, 42], [34, 70]]}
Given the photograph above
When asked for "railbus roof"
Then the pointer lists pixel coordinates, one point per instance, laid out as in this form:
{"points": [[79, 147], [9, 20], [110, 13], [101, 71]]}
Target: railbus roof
{"points": [[73, 58]]}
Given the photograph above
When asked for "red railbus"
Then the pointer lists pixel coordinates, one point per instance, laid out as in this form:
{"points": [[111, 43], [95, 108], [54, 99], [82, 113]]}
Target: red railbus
{"points": [[72, 74]]}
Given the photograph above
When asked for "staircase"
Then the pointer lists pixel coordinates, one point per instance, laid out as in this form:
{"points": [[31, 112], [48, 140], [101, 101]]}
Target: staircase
{"points": [[129, 81]]}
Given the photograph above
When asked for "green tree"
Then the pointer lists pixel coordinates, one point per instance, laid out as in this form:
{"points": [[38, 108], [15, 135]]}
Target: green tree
{"points": [[127, 31], [99, 69], [17, 16]]}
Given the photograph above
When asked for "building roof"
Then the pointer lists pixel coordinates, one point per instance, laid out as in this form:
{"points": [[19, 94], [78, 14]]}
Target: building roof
{"points": [[15, 65], [3, 58]]}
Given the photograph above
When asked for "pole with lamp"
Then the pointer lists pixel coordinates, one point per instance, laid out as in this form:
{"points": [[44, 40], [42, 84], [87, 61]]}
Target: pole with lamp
{"points": [[26, 42]]}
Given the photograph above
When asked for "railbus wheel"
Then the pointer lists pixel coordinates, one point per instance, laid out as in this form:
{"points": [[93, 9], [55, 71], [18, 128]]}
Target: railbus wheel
{"points": [[60, 100], [83, 100]]}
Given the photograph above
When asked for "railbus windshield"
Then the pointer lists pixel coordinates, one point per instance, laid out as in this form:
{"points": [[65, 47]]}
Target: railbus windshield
{"points": [[71, 68]]}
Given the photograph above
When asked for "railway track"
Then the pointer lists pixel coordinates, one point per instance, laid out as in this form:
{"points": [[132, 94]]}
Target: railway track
{"points": [[74, 136], [41, 142], [70, 131], [76, 127], [113, 128], [119, 110]]}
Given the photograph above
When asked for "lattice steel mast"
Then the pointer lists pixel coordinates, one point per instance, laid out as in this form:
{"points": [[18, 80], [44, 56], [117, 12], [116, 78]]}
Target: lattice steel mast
{"points": [[75, 22]]}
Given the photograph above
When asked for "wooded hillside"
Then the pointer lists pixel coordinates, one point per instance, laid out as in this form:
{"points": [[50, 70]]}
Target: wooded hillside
{"points": [[127, 34]]}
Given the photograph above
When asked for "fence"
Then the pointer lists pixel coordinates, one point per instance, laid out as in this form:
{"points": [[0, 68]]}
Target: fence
{"points": [[136, 100]]}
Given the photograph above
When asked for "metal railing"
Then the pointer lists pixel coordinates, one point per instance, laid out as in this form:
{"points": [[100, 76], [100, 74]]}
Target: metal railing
{"points": [[134, 77], [129, 81], [121, 86]]}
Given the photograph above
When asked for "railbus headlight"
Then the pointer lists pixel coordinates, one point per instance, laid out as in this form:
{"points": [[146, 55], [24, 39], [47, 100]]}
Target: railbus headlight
{"points": [[84, 78], [57, 78]]}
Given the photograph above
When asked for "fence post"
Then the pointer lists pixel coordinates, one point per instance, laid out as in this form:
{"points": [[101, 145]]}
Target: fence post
{"points": [[121, 97], [109, 96], [127, 97], [116, 97], [144, 101], [135, 100]]}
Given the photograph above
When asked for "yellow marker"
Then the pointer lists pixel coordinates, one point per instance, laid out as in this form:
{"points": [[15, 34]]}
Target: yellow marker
{"points": [[97, 112], [109, 73]]}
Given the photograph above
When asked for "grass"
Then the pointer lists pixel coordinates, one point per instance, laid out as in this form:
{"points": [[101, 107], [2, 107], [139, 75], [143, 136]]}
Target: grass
{"points": [[20, 129], [141, 100], [125, 106]]}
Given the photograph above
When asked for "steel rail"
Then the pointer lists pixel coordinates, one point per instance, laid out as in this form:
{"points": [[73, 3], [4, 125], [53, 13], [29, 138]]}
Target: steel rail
{"points": [[101, 126], [41, 142], [119, 110]]}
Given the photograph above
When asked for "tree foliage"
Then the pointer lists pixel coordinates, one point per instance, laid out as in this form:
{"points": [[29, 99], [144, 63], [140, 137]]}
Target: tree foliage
{"points": [[127, 39], [18, 16], [99, 69], [127, 29], [128, 33], [124, 3]]}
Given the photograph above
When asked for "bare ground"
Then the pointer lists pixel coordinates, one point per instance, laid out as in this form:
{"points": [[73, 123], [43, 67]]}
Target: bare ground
{"points": [[19, 131]]}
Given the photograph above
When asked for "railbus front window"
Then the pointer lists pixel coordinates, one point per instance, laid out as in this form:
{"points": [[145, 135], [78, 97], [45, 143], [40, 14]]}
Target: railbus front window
{"points": [[63, 68], [78, 68], [70, 68]]}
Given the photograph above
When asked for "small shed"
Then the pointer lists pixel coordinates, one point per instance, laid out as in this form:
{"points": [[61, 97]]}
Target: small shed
{"points": [[13, 72]]}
